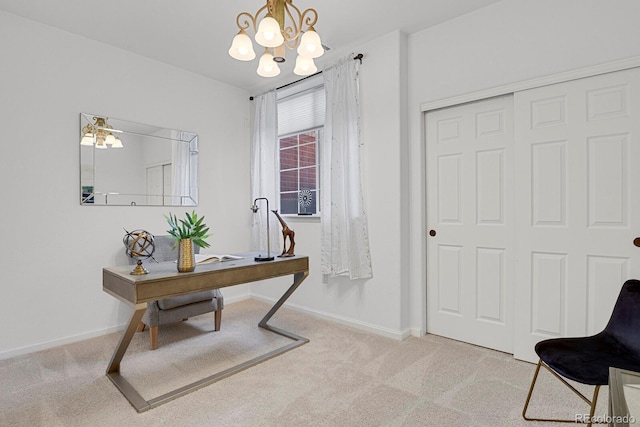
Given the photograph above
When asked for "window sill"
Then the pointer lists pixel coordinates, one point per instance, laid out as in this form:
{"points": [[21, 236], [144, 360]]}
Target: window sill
{"points": [[315, 217]]}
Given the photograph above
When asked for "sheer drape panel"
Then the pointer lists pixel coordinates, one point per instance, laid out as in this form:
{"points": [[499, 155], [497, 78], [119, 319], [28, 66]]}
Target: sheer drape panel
{"points": [[180, 172], [193, 167], [264, 151], [344, 230]]}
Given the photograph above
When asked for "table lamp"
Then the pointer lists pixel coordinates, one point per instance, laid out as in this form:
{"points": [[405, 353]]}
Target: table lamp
{"points": [[255, 209]]}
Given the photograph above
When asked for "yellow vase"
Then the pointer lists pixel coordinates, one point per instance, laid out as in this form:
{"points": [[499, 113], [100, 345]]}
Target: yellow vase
{"points": [[186, 260]]}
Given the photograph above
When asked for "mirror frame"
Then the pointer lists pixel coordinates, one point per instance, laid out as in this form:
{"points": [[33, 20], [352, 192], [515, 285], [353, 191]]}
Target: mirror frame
{"points": [[111, 176]]}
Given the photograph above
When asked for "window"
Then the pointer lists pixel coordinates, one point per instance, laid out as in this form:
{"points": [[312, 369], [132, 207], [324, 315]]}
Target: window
{"points": [[299, 172], [301, 111]]}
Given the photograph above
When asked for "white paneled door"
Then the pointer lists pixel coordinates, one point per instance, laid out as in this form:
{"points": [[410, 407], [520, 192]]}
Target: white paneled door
{"points": [[533, 205], [470, 222], [578, 204]]}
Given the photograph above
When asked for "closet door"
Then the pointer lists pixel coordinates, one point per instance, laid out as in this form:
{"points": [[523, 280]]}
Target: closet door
{"points": [[155, 185], [167, 189], [577, 204], [470, 221]]}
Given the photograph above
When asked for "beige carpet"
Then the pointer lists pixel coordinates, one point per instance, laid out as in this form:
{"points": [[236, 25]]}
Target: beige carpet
{"points": [[343, 377]]}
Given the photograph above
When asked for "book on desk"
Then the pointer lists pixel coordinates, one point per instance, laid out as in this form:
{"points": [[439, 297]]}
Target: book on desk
{"points": [[209, 258]]}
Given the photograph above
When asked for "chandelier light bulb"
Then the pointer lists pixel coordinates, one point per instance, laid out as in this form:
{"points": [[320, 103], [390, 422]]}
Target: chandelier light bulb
{"points": [[241, 47], [278, 27], [269, 33], [304, 66], [101, 134], [87, 139], [267, 66], [117, 143], [310, 44], [100, 144]]}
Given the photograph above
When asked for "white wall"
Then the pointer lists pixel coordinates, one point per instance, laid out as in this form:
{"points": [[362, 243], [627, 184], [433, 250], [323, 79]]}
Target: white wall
{"points": [[377, 304], [54, 249], [506, 42], [510, 41]]}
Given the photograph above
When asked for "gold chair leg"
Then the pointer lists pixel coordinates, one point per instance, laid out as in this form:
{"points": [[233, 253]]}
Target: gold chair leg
{"points": [[593, 406], [217, 319], [592, 403], [533, 384]]}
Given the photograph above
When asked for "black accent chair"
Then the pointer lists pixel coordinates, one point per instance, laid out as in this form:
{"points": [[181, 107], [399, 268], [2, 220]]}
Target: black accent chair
{"points": [[587, 360]]}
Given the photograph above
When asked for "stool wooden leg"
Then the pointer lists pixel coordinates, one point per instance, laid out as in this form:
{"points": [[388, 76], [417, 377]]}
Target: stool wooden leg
{"points": [[153, 332], [218, 319]]}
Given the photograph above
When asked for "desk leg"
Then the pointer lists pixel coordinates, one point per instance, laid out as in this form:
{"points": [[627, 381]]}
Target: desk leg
{"points": [[297, 280], [141, 405], [125, 339], [113, 370]]}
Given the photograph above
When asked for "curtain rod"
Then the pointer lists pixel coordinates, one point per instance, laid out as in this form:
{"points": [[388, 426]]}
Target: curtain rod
{"points": [[358, 57]]}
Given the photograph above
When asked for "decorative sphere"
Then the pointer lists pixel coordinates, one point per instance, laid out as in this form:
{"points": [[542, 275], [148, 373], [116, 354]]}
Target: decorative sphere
{"points": [[139, 244]]}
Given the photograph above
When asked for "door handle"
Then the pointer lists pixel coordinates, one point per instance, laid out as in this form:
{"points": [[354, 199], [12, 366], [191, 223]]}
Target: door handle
{"points": [[433, 233], [636, 241]]}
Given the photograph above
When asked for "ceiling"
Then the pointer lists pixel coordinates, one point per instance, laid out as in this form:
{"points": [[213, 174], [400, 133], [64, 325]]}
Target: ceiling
{"points": [[196, 34]]}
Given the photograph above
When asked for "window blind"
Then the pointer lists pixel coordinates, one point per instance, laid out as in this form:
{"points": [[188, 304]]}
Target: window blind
{"points": [[301, 110]]}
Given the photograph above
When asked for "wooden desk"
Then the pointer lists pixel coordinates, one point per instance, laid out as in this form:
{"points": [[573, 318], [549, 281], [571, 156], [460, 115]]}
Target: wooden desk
{"points": [[164, 281], [624, 397]]}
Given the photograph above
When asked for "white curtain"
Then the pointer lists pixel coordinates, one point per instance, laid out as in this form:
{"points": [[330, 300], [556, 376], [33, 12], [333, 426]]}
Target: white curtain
{"points": [[264, 151], [180, 175], [344, 233]]}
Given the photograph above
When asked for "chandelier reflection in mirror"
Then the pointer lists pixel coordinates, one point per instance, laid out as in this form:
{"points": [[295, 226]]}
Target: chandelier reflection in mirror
{"points": [[101, 134], [279, 28]]}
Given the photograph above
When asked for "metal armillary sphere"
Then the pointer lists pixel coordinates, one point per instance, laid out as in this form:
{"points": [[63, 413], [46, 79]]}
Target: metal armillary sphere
{"points": [[139, 244], [278, 26]]}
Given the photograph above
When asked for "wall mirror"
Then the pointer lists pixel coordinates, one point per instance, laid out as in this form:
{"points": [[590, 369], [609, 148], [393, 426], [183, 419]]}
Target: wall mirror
{"points": [[123, 163]]}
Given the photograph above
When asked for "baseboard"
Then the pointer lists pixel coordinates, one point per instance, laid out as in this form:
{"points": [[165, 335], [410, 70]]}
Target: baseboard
{"points": [[58, 342], [375, 329], [75, 338], [364, 326], [417, 332], [237, 298]]}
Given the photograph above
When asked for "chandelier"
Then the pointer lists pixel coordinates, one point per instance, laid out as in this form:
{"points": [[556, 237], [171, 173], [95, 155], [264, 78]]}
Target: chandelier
{"points": [[278, 26], [101, 134]]}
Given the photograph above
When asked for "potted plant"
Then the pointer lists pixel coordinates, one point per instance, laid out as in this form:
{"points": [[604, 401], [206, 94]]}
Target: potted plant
{"points": [[187, 232]]}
